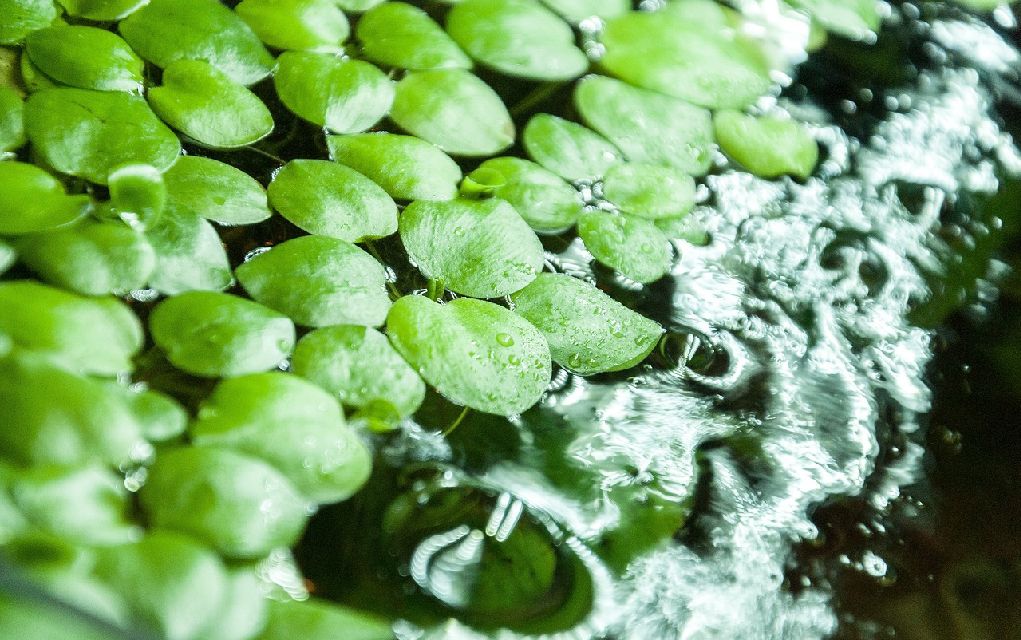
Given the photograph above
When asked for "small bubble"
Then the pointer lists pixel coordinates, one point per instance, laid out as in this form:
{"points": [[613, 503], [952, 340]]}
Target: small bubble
{"points": [[504, 340]]}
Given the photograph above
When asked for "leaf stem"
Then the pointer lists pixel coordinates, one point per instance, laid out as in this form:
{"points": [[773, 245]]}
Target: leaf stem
{"points": [[536, 96], [394, 291], [455, 423]]}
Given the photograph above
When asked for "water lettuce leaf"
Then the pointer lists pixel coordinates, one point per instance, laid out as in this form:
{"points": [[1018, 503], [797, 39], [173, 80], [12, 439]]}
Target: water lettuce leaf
{"points": [[138, 194], [649, 191], [22, 17]]}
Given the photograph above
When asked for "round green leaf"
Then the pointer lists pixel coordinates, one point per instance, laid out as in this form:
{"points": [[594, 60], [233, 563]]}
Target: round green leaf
{"points": [[577, 10], [32, 200], [544, 200], [634, 247], [89, 133], [85, 57], [291, 424], [33, 79], [646, 126], [160, 417], [102, 10], [454, 110], [318, 281], [476, 353], [520, 38], [568, 149], [89, 335], [397, 34], [329, 199], [216, 191], [212, 334], [12, 120], [296, 24], [588, 331], [240, 505], [93, 258], [767, 146], [189, 254], [317, 620], [856, 19], [22, 17], [8, 256], [358, 365], [207, 106], [345, 96], [478, 248], [407, 168], [357, 6], [138, 194], [243, 612], [649, 191], [165, 31]]}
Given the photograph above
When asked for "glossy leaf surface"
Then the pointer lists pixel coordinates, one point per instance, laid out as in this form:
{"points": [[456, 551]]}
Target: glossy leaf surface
{"points": [[634, 247], [397, 34], [545, 201], [85, 57], [296, 24], [406, 167], [767, 146], [216, 191], [32, 200], [568, 149]]}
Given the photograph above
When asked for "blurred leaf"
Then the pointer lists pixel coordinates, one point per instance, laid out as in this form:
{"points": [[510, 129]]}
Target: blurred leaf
{"points": [[577, 10], [32, 200], [316, 620]]}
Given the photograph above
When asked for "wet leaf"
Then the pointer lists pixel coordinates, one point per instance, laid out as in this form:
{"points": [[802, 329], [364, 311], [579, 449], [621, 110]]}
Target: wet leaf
{"points": [[89, 133], [767, 146], [85, 57], [544, 200], [33, 79], [189, 254], [397, 34], [649, 191], [160, 417], [519, 38], [243, 611], [216, 191], [317, 620], [855, 19], [406, 167], [12, 120], [454, 110], [478, 248], [165, 31], [577, 10], [588, 331], [329, 199], [138, 194], [568, 149], [296, 24], [357, 6], [476, 353], [32, 200], [318, 281], [212, 334], [22, 17], [634, 247], [102, 10], [293, 425], [8, 256]]}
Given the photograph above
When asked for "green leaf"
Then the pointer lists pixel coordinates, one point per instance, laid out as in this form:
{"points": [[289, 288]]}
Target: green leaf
{"points": [[243, 611], [568, 149], [208, 107], [207, 333], [296, 24], [8, 256], [85, 57], [360, 367], [634, 247], [454, 110], [189, 254], [687, 228], [89, 335], [89, 133], [345, 96], [316, 620], [92, 258], [397, 34], [165, 31], [33, 79], [160, 417], [478, 248], [588, 331], [318, 281], [544, 200], [216, 191], [519, 38], [577, 10], [12, 120], [102, 10], [32, 200], [856, 19], [649, 191], [406, 167], [357, 6], [138, 194], [240, 505], [22, 17], [329, 199], [293, 425], [646, 126], [476, 353], [767, 146]]}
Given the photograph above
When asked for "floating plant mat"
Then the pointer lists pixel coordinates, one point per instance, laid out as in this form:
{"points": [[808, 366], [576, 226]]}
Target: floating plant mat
{"points": [[509, 321]]}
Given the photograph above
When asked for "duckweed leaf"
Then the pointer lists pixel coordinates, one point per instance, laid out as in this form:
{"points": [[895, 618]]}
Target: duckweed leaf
{"points": [[406, 167], [22, 17], [8, 256], [189, 254], [767, 146], [519, 38], [397, 34], [216, 191], [454, 110], [317, 620], [85, 57], [240, 505], [32, 200], [212, 334], [568, 149], [102, 10], [318, 281], [544, 200], [345, 96], [243, 611], [296, 24], [12, 119], [577, 10], [89, 133], [855, 19], [478, 248], [634, 247], [90, 335], [160, 417], [165, 31], [137, 193], [360, 367], [329, 199], [476, 353], [291, 424], [93, 258], [588, 331], [646, 126], [206, 105], [649, 191]]}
